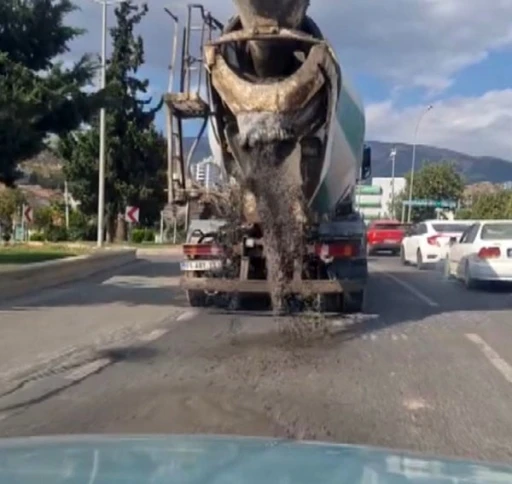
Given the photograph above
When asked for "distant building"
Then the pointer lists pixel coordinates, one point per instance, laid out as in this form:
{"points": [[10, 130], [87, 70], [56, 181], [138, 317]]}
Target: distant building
{"points": [[207, 173], [374, 200]]}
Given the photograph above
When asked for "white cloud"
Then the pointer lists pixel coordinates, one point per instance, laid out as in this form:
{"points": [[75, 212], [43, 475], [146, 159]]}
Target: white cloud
{"points": [[477, 125], [409, 42]]}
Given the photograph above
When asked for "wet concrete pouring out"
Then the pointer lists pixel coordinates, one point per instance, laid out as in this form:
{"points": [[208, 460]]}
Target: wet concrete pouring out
{"points": [[281, 211]]}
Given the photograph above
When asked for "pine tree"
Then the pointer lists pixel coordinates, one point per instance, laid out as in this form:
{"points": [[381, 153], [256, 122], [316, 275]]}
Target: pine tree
{"points": [[135, 150]]}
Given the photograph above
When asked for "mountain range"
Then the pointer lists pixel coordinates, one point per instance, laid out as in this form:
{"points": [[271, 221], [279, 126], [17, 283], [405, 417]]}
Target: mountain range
{"points": [[474, 169]]}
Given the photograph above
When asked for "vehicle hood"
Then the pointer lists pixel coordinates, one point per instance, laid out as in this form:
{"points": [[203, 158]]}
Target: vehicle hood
{"points": [[227, 460]]}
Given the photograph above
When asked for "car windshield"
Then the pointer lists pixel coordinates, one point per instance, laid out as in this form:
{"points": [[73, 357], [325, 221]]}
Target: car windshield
{"points": [[449, 228], [497, 231]]}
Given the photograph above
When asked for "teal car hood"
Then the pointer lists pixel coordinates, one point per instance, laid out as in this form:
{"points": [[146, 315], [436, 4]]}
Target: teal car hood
{"points": [[222, 460]]}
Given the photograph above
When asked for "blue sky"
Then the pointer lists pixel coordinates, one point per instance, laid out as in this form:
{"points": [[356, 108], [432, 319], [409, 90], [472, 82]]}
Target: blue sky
{"points": [[454, 54]]}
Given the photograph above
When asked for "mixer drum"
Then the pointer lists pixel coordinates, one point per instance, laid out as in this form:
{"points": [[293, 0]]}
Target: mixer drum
{"points": [[285, 13]]}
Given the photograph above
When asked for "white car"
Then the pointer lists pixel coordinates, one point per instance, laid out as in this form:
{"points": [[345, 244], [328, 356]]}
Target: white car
{"points": [[483, 253], [428, 242]]}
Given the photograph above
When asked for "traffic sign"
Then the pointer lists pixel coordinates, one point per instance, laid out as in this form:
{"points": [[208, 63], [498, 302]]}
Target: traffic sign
{"points": [[431, 203], [28, 214], [131, 214]]}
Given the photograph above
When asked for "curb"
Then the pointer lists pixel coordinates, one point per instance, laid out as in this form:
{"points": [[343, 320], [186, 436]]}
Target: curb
{"points": [[20, 281]]}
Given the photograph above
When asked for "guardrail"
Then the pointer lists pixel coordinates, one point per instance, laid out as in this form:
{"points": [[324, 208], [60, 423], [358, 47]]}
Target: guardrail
{"points": [[30, 278]]}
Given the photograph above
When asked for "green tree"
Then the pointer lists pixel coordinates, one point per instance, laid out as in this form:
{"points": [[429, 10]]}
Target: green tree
{"points": [[11, 201], [38, 95], [434, 181], [489, 206], [135, 170]]}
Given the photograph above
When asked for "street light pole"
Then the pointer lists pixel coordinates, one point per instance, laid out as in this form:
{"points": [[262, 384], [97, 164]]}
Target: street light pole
{"points": [[103, 114], [429, 108], [102, 154], [393, 159]]}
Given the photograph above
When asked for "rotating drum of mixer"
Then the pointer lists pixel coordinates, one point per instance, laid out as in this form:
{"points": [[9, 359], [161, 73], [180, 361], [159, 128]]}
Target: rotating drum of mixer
{"points": [[255, 14]]}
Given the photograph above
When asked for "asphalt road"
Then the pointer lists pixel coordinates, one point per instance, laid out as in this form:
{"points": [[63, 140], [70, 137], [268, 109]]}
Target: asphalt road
{"points": [[426, 367]]}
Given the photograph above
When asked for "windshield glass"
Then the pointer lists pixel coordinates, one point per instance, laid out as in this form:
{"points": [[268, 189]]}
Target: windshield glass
{"points": [[270, 269], [450, 228], [497, 232]]}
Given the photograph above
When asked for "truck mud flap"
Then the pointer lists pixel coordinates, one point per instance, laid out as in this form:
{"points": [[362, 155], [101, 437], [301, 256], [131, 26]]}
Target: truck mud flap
{"points": [[305, 287]]}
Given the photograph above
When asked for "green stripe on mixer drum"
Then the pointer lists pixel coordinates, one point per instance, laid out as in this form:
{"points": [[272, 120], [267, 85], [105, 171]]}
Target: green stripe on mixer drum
{"points": [[352, 122], [322, 203]]}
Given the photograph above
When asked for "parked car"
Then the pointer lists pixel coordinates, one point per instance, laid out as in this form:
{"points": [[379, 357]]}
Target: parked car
{"points": [[428, 242], [482, 253], [385, 235]]}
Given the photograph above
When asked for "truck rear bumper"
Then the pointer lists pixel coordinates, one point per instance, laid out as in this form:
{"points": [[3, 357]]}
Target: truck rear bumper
{"points": [[304, 287]]}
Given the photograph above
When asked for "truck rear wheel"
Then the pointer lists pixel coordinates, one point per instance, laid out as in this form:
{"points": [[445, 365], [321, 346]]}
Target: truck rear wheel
{"points": [[352, 302], [326, 303], [197, 299]]}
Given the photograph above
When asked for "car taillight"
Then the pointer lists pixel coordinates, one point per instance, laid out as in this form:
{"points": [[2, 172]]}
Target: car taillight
{"points": [[432, 240], [489, 252]]}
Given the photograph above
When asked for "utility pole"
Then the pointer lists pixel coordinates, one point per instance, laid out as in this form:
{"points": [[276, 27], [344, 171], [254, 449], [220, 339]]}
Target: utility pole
{"points": [[66, 201], [102, 153], [393, 159], [413, 162]]}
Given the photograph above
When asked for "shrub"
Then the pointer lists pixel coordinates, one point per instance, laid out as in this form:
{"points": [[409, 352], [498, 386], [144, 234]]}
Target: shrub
{"points": [[138, 236], [37, 237]]}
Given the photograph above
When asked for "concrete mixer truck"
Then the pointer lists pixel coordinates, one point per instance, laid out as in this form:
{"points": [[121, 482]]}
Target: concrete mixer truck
{"points": [[287, 130]]}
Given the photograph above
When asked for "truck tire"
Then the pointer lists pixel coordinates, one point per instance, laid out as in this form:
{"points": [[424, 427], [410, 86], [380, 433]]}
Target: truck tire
{"points": [[197, 299], [327, 303], [353, 302]]}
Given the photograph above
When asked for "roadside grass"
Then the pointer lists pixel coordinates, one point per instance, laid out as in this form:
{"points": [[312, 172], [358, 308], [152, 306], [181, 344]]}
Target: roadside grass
{"points": [[25, 254], [32, 252]]}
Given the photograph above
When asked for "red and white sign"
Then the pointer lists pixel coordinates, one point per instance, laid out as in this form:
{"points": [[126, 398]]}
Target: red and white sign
{"points": [[131, 214], [28, 214]]}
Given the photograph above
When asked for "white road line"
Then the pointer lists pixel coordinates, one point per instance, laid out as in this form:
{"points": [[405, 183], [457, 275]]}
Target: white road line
{"points": [[88, 369], [187, 315], [4, 415], [494, 358], [154, 335], [411, 289]]}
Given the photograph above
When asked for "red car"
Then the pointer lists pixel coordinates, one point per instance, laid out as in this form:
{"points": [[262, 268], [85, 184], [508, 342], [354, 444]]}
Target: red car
{"points": [[385, 235]]}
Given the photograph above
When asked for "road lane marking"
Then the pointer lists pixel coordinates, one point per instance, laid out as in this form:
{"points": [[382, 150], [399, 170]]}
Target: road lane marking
{"points": [[187, 315], [494, 358], [411, 289], [88, 369], [415, 404], [154, 335], [4, 415]]}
